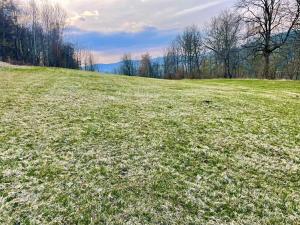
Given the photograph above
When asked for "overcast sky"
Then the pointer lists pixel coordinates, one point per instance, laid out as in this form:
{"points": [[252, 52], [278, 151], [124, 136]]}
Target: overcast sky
{"points": [[112, 27]]}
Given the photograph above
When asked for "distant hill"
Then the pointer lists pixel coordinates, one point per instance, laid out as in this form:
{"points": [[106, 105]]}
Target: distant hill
{"points": [[108, 68], [113, 67]]}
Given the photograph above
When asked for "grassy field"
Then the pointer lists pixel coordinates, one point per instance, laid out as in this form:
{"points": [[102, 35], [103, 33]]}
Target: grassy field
{"points": [[79, 148]]}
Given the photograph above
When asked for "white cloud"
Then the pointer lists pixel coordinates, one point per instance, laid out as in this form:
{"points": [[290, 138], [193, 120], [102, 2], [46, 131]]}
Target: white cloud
{"points": [[112, 57], [198, 8], [134, 15]]}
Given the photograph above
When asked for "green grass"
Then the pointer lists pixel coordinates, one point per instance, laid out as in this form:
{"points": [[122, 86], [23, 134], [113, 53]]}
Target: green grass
{"points": [[79, 148]]}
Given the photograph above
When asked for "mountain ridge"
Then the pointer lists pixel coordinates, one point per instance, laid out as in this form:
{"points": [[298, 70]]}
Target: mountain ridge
{"points": [[113, 67]]}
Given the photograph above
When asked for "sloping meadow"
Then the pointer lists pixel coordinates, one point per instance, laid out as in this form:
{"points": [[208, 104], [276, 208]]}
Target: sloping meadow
{"points": [[80, 148]]}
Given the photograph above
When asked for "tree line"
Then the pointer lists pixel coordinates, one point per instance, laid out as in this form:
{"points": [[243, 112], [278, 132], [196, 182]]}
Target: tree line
{"points": [[33, 34], [256, 39]]}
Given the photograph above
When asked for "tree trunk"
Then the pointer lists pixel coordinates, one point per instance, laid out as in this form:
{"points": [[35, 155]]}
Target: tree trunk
{"points": [[227, 73], [228, 68], [267, 66], [225, 69]]}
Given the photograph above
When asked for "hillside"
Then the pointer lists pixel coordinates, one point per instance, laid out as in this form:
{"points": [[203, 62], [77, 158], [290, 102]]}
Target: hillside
{"points": [[79, 148], [108, 68], [113, 67]]}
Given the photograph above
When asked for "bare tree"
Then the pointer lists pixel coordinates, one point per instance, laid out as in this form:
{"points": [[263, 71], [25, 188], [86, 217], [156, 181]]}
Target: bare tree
{"points": [[145, 68], [191, 51], [8, 24], [127, 66], [171, 61], [89, 61], [33, 12], [156, 69], [25, 40], [53, 20], [185, 56], [223, 37], [270, 23]]}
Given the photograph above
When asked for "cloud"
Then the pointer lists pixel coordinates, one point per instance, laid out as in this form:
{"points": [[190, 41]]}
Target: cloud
{"points": [[110, 46], [198, 8], [135, 15], [107, 57], [112, 27]]}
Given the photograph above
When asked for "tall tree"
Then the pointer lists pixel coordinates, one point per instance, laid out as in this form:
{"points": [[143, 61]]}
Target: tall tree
{"points": [[156, 69], [89, 61], [185, 56], [25, 39], [171, 61], [223, 37], [145, 68], [53, 20], [270, 23], [190, 51], [8, 21], [127, 66], [34, 14]]}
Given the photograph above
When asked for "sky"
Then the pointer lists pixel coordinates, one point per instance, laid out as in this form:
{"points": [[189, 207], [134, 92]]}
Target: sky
{"points": [[110, 28]]}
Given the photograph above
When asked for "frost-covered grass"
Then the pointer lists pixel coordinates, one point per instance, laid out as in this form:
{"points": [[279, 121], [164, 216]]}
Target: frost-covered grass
{"points": [[79, 148]]}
